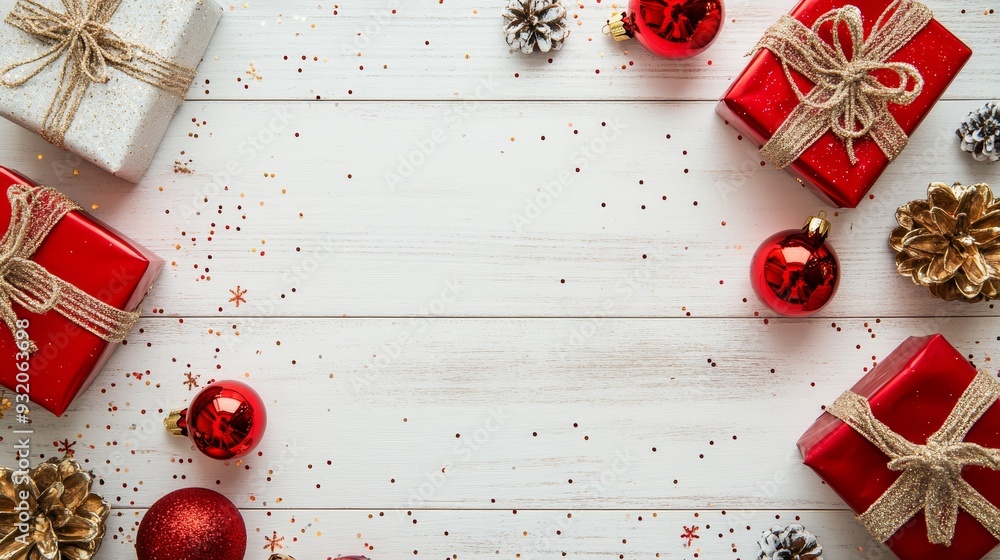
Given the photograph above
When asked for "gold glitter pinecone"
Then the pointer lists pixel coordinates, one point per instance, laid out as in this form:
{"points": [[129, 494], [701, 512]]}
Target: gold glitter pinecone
{"points": [[63, 520], [949, 242]]}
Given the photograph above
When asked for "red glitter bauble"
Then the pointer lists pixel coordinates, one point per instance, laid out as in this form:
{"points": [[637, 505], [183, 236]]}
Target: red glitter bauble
{"points": [[796, 272], [225, 420], [192, 524], [671, 28]]}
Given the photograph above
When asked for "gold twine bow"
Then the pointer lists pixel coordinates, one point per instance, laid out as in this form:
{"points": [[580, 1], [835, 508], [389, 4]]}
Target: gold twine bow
{"points": [[847, 97], [90, 48], [34, 212], [931, 478]]}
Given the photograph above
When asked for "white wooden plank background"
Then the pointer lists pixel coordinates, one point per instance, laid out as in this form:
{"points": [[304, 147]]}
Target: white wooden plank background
{"points": [[477, 355]]}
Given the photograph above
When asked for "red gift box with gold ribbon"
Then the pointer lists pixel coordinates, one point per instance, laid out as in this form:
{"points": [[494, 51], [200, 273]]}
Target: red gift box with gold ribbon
{"points": [[73, 283], [872, 83], [919, 433]]}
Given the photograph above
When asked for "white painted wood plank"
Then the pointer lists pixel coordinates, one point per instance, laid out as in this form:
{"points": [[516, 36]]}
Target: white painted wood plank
{"points": [[536, 402], [358, 49], [490, 413], [472, 229], [527, 535]]}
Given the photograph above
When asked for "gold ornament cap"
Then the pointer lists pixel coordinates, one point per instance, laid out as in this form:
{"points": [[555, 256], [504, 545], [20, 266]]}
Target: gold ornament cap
{"points": [[617, 28], [817, 225], [173, 422]]}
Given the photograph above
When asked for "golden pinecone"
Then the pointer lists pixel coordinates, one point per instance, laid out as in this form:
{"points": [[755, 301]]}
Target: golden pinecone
{"points": [[49, 513], [949, 242]]}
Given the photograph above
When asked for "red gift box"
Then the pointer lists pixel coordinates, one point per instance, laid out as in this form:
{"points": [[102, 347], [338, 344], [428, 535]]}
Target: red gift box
{"points": [[83, 252], [761, 99], [912, 391]]}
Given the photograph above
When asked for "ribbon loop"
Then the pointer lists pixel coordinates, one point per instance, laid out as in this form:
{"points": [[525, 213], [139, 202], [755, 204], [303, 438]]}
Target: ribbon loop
{"points": [[24, 282], [847, 98], [31, 287], [931, 478], [81, 35]]}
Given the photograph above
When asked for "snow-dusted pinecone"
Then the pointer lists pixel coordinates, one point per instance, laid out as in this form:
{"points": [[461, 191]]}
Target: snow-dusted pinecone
{"points": [[535, 24], [789, 543], [980, 133]]}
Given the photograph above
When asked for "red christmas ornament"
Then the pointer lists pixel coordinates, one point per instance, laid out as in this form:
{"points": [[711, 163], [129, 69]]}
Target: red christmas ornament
{"points": [[796, 272], [192, 524], [225, 420], [670, 28]]}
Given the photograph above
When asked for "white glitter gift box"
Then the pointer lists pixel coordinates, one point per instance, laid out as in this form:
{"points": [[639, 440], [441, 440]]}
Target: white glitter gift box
{"points": [[101, 78]]}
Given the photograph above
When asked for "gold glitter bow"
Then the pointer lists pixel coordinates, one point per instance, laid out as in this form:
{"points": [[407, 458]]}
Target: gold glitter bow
{"points": [[90, 49], [34, 212], [847, 97], [931, 478]]}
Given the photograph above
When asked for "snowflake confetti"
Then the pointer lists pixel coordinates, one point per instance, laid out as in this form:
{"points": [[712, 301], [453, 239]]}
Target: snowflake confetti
{"points": [[274, 541], [238, 294], [191, 380], [65, 446], [690, 534]]}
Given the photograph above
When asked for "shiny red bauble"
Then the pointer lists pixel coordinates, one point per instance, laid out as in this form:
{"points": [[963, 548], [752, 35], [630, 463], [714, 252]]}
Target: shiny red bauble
{"points": [[670, 28], [226, 420], [796, 272], [192, 524]]}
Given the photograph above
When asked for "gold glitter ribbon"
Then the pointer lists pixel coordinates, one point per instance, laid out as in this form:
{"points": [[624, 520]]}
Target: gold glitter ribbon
{"points": [[34, 212], [931, 478], [81, 35], [847, 97]]}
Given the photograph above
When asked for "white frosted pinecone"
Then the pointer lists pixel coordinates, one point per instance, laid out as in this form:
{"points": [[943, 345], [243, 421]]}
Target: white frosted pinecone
{"points": [[980, 133], [789, 543], [532, 24]]}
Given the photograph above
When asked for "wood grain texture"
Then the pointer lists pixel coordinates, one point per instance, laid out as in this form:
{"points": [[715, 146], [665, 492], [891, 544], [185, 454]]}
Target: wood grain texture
{"points": [[446, 50], [528, 535], [492, 225], [493, 413], [468, 347]]}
